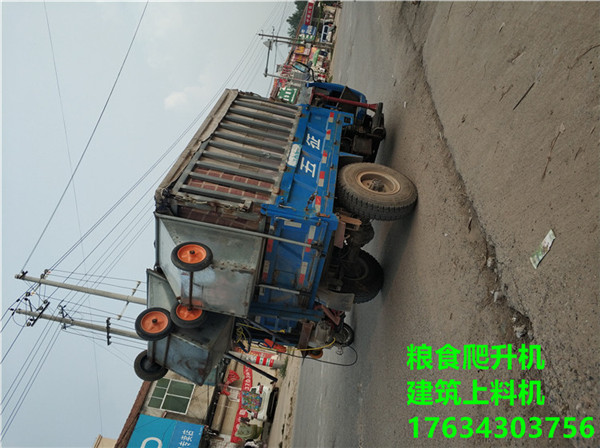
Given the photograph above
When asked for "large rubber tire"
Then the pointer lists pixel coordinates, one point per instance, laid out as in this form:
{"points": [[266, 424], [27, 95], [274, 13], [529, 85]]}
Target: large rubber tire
{"points": [[153, 324], [146, 369], [364, 279], [374, 191], [191, 257], [184, 318]]}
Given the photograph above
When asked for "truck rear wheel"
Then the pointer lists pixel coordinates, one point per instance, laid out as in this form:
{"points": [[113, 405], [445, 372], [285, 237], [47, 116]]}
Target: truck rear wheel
{"points": [[153, 324], [374, 191], [146, 369], [364, 278]]}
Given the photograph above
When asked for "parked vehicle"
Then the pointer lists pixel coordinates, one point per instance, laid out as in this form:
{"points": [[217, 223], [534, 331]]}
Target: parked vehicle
{"points": [[260, 226], [327, 31]]}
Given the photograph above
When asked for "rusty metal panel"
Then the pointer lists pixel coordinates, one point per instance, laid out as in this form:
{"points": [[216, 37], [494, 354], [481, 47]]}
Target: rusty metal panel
{"points": [[193, 354], [159, 293]]}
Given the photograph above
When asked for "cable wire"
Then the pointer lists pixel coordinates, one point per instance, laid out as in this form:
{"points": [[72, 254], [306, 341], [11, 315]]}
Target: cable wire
{"points": [[46, 339], [62, 113], [8, 422], [90, 138]]}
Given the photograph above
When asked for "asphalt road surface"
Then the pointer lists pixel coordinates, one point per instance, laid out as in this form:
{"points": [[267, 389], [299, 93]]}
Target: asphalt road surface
{"points": [[492, 110]]}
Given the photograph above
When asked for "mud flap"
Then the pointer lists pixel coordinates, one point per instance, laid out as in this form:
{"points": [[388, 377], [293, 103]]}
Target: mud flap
{"points": [[307, 328]]}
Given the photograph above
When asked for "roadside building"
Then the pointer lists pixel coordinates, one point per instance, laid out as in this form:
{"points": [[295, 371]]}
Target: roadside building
{"points": [[309, 58], [246, 402], [172, 411], [231, 407]]}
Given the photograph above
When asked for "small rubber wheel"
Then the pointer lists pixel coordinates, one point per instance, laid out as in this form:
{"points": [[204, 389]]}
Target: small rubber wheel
{"points": [[184, 317], [364, 278], [344, 336], [316, 354], [192, 257], [148, 370], [153, 324], [374, 191]]}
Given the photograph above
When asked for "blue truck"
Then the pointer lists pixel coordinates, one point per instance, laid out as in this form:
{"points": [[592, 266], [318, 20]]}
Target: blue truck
{"points": [[260, 226]]}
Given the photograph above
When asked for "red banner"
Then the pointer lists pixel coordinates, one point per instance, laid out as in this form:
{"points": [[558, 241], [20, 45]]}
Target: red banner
{"points": [[246, 386], [231, 378], [309, 13]]}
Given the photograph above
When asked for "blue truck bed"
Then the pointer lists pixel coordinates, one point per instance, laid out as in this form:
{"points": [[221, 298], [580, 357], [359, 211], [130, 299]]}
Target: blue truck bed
{"points": [[303, 211]]}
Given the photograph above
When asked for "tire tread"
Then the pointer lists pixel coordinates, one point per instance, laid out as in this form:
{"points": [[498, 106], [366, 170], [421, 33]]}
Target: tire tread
{"points": [[358, 202]]}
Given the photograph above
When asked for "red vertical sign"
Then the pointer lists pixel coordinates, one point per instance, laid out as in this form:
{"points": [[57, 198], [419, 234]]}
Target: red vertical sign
{"points": [[309, 12]]}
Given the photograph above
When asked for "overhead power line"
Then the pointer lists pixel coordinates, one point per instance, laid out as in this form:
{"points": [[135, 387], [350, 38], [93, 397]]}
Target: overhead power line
{"points": [[49, 338], [8, 420], [62, 114], [90, 138]]}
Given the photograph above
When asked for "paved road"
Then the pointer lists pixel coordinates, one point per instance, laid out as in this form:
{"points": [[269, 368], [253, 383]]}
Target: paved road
{"points": [[492, 110]]}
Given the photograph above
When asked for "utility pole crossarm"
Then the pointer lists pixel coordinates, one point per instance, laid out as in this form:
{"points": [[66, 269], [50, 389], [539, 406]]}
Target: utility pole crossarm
{"points": [[78, 323]]}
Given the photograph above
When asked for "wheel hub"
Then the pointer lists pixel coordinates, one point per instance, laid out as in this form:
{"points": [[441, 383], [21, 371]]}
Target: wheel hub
{"points": [[377, 182], [188, 314], [154, 322], [191, 253]]}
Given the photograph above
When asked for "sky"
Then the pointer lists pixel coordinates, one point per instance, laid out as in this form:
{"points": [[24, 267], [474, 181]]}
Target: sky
{"points": [[60, 61]]}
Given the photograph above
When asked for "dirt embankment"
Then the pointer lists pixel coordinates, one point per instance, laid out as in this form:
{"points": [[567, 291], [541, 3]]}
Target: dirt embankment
{"points": [[515, 87]]}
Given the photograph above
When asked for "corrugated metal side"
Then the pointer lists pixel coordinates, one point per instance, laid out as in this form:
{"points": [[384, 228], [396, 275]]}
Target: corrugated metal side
{"points": [[238, 167]]}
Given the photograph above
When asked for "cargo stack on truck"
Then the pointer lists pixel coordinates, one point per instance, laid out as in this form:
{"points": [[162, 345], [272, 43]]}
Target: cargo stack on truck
{"points": [[260, 226]]}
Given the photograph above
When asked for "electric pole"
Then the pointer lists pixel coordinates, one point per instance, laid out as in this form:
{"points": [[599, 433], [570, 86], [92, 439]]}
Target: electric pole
{"points": [[97, 292]]}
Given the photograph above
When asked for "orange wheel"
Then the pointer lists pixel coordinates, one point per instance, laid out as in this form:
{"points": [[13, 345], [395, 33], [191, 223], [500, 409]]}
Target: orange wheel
{"points": [[191, 257], [184, 313], [153, 324], [184, 317], [191, 253], [316, 354]]}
